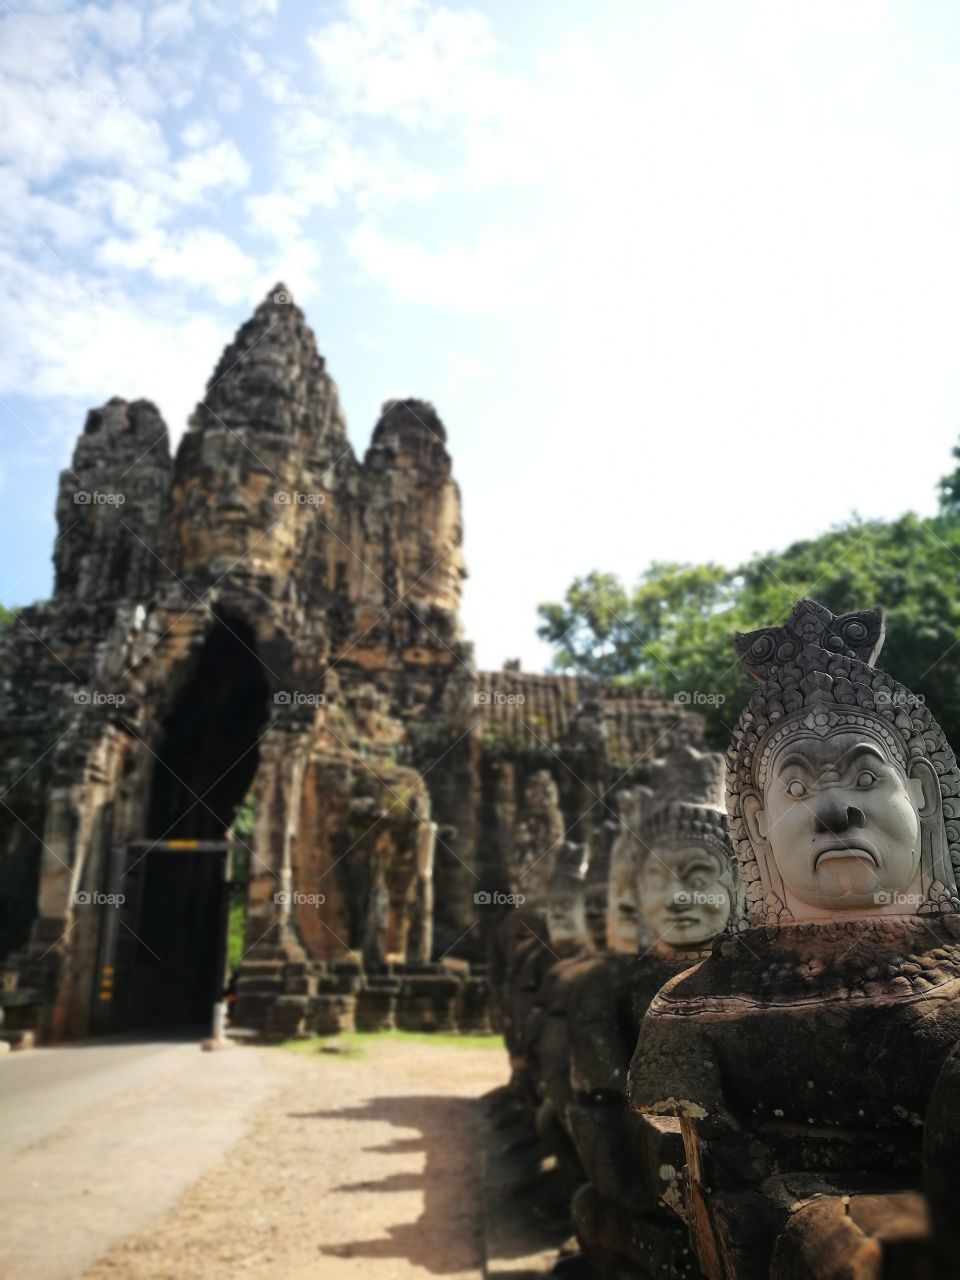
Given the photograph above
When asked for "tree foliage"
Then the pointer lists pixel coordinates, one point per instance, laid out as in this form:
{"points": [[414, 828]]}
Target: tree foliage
{"points": [[675, 629]]}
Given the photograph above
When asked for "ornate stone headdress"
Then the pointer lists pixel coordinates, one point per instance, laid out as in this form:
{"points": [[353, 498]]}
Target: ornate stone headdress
{"points": [[679, 823], [569, 868], [686, 807], [685, 800], [816, 675], [567, 891]]}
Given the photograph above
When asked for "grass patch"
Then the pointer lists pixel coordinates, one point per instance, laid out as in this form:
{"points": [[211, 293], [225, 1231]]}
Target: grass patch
{"points": [[357, 1043], [433, 1037], [238, 916]]}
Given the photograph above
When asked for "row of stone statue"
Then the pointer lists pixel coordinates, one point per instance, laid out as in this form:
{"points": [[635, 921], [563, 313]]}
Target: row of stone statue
{"points": [[758, 1076]]}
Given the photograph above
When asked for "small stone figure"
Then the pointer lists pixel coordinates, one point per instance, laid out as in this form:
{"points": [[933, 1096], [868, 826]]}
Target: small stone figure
{"points": [[622, 901], [685, 888], [521, 953], [570, 947]]}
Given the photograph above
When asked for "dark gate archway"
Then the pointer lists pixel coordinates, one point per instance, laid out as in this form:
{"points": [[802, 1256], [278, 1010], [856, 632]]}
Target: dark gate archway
{"points": [[208, 752], [170, 946]]}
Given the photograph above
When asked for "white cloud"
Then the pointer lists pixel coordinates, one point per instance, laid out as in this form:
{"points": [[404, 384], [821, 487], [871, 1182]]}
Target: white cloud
{"points": [[490, 276], [169, 22], [229, 96], [86, 123], [28, 216], [461, 371], [296, 261], [112, 275], [320, 164], [220, 167], [199, 258], [713, 236], [119, 29], [779, 26], [76, 344], [419, 63], [200, 133]]}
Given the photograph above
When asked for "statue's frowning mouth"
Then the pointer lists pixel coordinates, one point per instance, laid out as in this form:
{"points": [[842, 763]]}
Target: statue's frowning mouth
{"points": [[831, 855], [232, 511]]}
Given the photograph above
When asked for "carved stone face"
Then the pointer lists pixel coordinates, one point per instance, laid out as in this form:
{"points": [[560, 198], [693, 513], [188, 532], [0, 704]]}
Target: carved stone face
{"points": [[622, 901], [566, 916], [683, 895], [622, 914], [226, 508], [842, 825]]}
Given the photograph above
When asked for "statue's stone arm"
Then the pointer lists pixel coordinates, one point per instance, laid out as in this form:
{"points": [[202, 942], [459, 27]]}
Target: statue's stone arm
{"points": [[675, 1072]]}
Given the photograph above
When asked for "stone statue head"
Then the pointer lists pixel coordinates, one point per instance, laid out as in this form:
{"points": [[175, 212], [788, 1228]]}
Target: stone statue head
{"points": [[622, 899], [566, 905], [687, 882], [536, 839], [842, 788]]}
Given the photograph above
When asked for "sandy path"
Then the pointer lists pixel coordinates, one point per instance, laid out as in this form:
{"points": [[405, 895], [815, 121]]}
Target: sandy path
{"points": [[361, 1167]]}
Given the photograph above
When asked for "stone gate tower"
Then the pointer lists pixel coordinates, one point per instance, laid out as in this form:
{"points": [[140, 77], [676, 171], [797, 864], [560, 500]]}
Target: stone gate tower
{"points": [[263, 624], [264, 617]]}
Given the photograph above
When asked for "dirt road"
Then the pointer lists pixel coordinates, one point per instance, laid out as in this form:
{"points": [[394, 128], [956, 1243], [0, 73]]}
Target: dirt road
{"points": [[360, 1167], [98, 1139]]}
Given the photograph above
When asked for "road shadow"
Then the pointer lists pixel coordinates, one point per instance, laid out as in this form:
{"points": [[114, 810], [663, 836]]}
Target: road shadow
{"points": [[483, 1187], [149, 1036], [447, 1236]]}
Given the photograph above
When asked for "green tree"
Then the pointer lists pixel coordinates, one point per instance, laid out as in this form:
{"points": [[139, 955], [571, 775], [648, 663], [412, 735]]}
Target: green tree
{"points": [[681, 619], [590, 632], [602, 630], [949, 487]]}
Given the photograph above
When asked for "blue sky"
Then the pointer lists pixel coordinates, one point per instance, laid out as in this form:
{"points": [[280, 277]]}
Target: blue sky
{"points": [[681, 279]]}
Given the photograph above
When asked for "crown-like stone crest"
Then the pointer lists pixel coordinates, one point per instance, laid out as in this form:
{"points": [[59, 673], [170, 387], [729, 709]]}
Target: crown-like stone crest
{"points": [[686, 776], [685, 802], [851, 635]]}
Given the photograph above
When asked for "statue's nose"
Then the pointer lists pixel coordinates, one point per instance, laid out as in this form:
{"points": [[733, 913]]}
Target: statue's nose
{"points": [[833, 814]]}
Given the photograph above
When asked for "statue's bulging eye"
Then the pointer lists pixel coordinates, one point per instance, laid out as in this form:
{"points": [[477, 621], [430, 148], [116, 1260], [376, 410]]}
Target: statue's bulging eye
{"points": [[866, 779], [796, 789]]}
